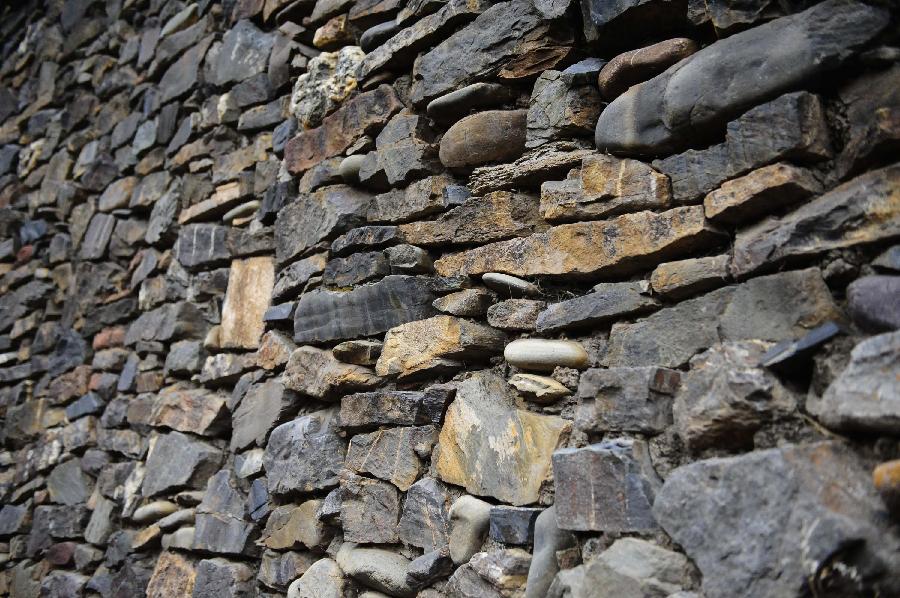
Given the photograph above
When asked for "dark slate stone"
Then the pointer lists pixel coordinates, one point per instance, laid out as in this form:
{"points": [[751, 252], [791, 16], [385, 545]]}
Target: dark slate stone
{"points": [[97, 236], [366, 237], [323, 315], [704, 91], [513, 525], [282, 313], [787, 355], [356, 269], [220, 520], [626, 399], [14, 519], [609, 301], [605, 487], [429, 568], [70, 351], [426, 515], [305, 454], [395, 407], [369, 510], [874, 303], [244, 52], [178, 461], [202, 246]]}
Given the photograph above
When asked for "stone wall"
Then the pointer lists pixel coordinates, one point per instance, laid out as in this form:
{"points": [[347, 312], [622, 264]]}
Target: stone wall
{"points": [[450, 298]]}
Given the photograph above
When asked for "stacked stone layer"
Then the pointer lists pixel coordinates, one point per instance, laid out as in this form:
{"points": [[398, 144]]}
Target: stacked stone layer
{"points": [[449, 299]]}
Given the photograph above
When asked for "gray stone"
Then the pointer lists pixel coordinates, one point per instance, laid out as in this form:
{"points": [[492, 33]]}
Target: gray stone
{"points": [[14, 519], [394, 454], [220, 519], [176, 461], [366, 238], [429, 567], [548, 539], [323, 579], [777, 520], [305, 454], [634, 568], [773, 308], [849, 210], [202, 246], [97, 237], [630, 68], [244, 53], [888, 260], [278, 569], [181, 77], [469, 523], [725, 398], [219, 578], [362, 352], [317, 216], [872, 303], [625, 399], [425, 521], [467, 583], [515, 314], [316, 373], [419, 199], [865, 396], [370, 510], [406, 149], [395, 407], [727, 77], [681, 279], [513, 525], [356, 269], [751, 141], [262, 408], [364, 311], [606, 487], [562, 106], [505, 569], [67, 484], [609, 301], [294, 277], [451, 107], [376, 568]]}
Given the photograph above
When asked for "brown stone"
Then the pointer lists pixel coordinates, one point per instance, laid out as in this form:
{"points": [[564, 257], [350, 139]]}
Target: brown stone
{"points": [[250, 283], [490, 136], [605, 186], [677, 280], [193, 410], [620, 245], [437, 344], [637, 66], [358, 117], [274, 350], [769, 189], [549, 161], [513, 445], [316, 373], [335, 33], [173, 577]]}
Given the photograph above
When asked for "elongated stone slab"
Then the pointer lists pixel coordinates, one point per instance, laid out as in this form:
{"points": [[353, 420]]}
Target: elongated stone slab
{"points": [[727, 77], [323, 316], [619, 246], [863, 210]]}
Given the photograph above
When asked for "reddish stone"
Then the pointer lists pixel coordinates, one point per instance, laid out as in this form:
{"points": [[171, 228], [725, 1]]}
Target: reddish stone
{"points": [[109, 337]]}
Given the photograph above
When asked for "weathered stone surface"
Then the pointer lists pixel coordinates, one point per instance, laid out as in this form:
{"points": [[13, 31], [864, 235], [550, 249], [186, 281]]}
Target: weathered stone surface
{"points": [[395, 407], [317, 216], [790, 127], [725, 78], [429, 567], [183, 74], [451, 107], [181, 408], [13, 519], [773, 308], [626, 399], [509, 40], [484, 419], [515, 314], [376, 568], [323, 316], [539, 389], [363, 352], [330, 78], [425, 521], [316, 373], [359, 116], [222, 525], [634, 568], [294, 277], [862, 210], [219, 578], [545, 355], [400, 49], [97, 236], [176, 461], [491, 136], [778, 514], [637, 66], [278, 569], [677, 280], [498, 215], [769, 189], [607, 487], [609, 301], [305, 454], [725, 398], [619, 245], [419, 199], [202, 246], [356, 269], [562, 106], [174, 576], [244, 53], [467, 583], [604, 186], [865, 397], [394, 454], [466, 303], [872, 302], [366, 237], [546, 162], [406, 149], [264, 406], [438, 344], [370, 510], [289, 526], [250, 283]]}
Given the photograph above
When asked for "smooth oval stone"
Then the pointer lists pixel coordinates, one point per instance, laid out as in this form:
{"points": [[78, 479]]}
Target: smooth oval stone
{"points": [[504, 283], [491, 136], [539, 389], [453, 106], [544, 355], [153, 511], [377, 35], [245, 209], [182, 538], [637, 66], [349, 168], [176, 520]]}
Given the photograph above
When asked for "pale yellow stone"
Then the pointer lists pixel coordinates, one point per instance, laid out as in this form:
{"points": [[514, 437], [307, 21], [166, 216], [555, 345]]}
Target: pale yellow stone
{"points": [[249, 290]]}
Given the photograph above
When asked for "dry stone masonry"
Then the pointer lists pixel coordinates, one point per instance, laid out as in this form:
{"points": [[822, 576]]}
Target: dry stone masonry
{"points": [[450, 299]]}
